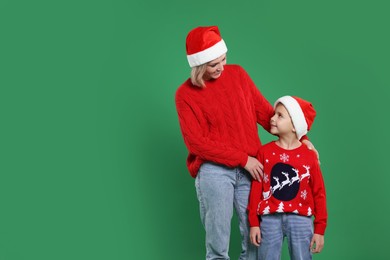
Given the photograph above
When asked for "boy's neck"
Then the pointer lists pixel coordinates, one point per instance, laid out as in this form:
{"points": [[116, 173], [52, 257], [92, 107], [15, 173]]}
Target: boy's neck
{"points": [[288, 142]]}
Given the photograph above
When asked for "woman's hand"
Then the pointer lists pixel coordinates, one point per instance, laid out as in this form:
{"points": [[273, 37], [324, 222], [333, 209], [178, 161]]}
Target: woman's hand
{"points": [[255, 168], [255, 236], [316, 244], [311, 147]]}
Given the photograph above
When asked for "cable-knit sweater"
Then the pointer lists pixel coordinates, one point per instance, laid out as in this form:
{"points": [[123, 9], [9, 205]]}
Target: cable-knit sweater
{"points": [[219, 122]]}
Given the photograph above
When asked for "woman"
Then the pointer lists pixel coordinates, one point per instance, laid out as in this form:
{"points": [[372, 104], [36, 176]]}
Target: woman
{"points": [[219, 108]]}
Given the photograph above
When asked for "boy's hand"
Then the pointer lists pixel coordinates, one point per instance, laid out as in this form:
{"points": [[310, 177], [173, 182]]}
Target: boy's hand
{"points": [[255, 235], [255, 168], [317, 243]]}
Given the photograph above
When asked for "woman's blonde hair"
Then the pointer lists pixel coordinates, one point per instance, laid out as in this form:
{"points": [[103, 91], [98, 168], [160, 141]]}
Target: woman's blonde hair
{"points": [[197, 74]]}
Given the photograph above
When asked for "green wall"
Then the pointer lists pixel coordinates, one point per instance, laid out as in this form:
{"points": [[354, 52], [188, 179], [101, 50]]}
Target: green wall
{"points": [[92, 158]]}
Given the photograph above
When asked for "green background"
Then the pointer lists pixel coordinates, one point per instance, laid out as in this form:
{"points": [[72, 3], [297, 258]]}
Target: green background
{"points": [[92, 158]]}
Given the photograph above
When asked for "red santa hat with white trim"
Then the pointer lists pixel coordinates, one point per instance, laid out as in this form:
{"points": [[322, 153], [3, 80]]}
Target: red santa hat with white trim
{"points": [[302, 113], [204, 44]]}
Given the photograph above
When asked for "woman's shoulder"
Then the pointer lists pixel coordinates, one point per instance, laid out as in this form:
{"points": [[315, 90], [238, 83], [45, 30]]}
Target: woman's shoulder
{"points": [[185, 89], [234, 67], [237, 70]]}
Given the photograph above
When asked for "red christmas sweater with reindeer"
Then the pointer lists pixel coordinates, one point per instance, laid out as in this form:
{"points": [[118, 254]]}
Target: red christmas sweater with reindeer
{"points": [[292, 183]]}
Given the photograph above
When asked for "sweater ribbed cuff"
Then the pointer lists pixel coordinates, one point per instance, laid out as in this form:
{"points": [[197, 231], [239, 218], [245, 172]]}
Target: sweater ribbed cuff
{"points": [[319, 229], [253, 219], [244, 160]]}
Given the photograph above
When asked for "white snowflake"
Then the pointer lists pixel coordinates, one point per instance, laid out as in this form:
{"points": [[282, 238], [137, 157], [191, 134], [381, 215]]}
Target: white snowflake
{"points": [[289, 204], [266, 160], [304, 194], [273, 153], [298, 155], [300, 204], [265, 179], [284, 157]]}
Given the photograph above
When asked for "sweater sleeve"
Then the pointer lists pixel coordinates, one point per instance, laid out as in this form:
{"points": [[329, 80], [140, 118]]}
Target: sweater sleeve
{"points": [[254, 200], [199, 144], [255, 196], [264, 110], [319, 197]]}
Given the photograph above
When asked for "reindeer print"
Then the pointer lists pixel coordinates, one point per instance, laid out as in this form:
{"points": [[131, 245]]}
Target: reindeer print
{"points": [[295, 178], [286, 181], [306, 174], [273, 188]]}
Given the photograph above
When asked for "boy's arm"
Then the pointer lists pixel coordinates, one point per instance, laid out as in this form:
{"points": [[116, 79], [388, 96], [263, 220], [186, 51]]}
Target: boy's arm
{"points": [[254, 200], [255, 197], [319, 197]]}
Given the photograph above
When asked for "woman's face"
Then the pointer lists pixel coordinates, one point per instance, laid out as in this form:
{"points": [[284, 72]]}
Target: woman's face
{"points": [[214, 68]]}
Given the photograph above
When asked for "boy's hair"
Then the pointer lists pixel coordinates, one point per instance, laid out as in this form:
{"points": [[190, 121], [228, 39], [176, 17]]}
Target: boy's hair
{"points": [[302, 113]]}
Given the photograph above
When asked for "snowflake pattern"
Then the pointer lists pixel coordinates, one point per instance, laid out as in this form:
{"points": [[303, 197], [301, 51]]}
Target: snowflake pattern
{"points": [[265, 179], [266, 160], [284, 157], [304, 194], [298, 155]]}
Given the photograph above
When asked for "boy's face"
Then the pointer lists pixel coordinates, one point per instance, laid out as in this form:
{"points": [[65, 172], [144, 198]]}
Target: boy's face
{"points": [[281, 123]]}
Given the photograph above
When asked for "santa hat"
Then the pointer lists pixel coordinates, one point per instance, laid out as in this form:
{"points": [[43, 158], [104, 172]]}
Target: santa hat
{"points": [[302, 113], [204, 44]]}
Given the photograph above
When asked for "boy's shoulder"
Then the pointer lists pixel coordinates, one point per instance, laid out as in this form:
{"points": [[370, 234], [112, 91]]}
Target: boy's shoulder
{"points": [[310, 153], [268, 146], [272, 146]]}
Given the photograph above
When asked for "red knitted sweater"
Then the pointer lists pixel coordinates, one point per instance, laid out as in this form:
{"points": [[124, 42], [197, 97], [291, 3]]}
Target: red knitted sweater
{"points": [[219, 122], [292, 183]]}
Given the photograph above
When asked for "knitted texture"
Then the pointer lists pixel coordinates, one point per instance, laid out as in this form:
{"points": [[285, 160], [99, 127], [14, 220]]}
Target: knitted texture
{"points": [[292, 183], [219, 122]]}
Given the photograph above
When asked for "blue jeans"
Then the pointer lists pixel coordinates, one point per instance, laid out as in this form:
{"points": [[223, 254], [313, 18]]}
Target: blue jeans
{"points": [[298, 230], [219, 189]]}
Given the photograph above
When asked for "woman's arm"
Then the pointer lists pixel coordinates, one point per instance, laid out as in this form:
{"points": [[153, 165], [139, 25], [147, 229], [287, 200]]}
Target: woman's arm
{"points": [[264, 110], [201, 145]]}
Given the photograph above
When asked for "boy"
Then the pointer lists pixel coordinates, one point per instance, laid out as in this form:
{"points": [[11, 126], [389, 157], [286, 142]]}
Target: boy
{"points": [[291, 190]]}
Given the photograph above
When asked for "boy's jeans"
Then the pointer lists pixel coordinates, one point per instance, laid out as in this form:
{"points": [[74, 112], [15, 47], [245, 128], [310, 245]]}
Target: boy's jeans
{"points": [[219, 188], [298, 230]]}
